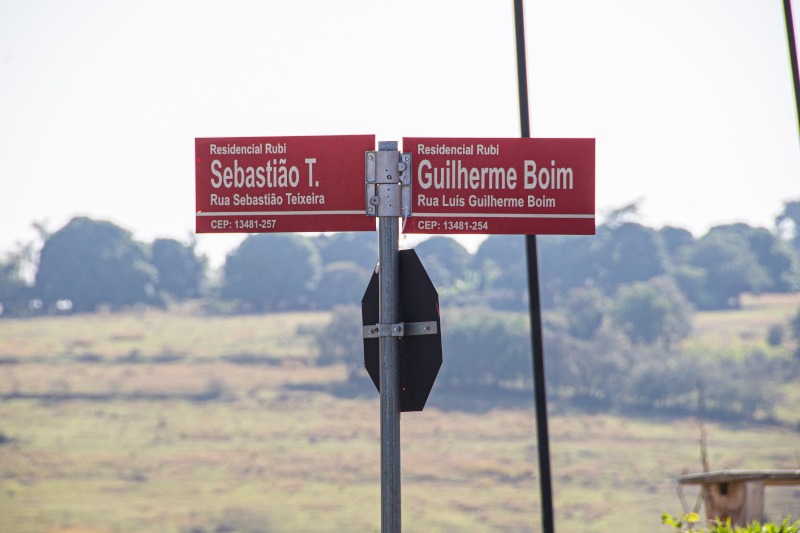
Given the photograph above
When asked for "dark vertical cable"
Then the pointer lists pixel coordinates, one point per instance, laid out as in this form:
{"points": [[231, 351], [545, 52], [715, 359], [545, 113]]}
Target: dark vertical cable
{"points": [[540, 395], [522, 71], [787, 15]]}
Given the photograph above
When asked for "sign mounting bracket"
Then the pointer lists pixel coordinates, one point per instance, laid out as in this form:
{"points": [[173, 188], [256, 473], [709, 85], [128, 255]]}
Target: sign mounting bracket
{"points": [[388, 183]]}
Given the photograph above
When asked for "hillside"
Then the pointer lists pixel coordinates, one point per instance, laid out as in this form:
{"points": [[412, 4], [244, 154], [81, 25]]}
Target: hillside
{"points": [[178, 422]]}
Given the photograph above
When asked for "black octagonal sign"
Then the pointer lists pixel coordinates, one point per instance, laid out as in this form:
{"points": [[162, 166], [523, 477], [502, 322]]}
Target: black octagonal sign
{"points": [[420, 355]]}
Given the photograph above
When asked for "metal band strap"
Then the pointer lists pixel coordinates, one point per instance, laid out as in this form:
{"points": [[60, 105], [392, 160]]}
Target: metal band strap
{"points": [[401, 329]]}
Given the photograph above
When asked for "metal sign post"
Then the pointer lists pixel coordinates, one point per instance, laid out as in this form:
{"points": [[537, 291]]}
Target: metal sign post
{"points": [[388, 181], [389, 234]]}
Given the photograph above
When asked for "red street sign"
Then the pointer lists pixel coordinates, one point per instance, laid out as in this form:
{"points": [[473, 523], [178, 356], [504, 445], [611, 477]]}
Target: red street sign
{"points": [[497, 186], [281, 184]]}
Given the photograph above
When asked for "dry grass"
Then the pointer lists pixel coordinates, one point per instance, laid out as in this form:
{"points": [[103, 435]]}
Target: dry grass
{"points": [[154, 332], [303, 461], [748, 325], [267, 455]]}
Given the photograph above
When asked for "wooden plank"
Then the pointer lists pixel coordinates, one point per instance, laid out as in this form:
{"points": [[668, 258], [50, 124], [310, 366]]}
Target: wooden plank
{"points": [[770, 477]]}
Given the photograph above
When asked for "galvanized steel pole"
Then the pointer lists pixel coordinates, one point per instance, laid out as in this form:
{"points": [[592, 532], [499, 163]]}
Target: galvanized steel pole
{"points": [[534, 299], [389, 277]]}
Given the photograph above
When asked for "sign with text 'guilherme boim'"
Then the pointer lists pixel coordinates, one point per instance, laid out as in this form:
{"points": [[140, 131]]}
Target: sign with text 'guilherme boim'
{"points": [[507, 186], [281, 184]]}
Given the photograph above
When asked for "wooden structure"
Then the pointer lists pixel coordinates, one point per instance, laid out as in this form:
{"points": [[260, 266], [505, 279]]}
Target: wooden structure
{"points": [[738, 494]]}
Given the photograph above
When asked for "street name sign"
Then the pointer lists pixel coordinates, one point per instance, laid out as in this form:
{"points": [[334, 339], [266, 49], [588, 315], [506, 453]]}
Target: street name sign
{"points": [[281, 184], [502, 186]]}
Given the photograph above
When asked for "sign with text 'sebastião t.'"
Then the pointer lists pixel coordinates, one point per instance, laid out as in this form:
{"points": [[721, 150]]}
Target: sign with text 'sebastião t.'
{"points": [[502, 186], [281, 184]]}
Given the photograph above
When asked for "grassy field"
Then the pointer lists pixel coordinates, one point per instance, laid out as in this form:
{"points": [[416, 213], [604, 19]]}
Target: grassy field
{"points": [[750, 324], [170, 422]]}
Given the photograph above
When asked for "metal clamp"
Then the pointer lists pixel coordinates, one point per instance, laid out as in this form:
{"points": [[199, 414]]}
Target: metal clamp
{"points": [[388, 183], [402, 329]]}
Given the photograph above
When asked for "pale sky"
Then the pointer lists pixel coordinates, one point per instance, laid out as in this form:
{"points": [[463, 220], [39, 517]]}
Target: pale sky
{"points": [[691, 102]]}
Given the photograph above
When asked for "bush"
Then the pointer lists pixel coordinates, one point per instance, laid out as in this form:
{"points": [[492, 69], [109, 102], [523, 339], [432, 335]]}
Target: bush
{"points": [[587, 372], [14, 291], [652, 310], [794, 325], [342, 341], [775, 335], [482, 347], [585, 310]]}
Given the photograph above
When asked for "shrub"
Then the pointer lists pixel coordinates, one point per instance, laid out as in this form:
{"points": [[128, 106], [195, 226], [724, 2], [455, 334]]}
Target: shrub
{"points": [[775, 335], [652, 310], [341, 340], [484, 347]]}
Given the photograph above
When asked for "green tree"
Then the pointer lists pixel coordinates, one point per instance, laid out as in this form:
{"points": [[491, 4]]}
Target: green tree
{"points": [[500, 260], [641, 312], [679, 320], [341, 283], [360, 248], [92, 262], [14, 291], [482, 347], [565, 262], [180, 270], [674, 240], [648, 311], [771, 253], [445, 260], [794, 326], [342, 341], [585, 310], [789, 222], [619, 253], [775, 335], [591, 372], [272, 272], [626, 253], [727, 266]]}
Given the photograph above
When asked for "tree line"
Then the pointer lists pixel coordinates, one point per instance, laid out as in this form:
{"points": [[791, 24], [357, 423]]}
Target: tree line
{"points": [[90, 263], [617, 304]]}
